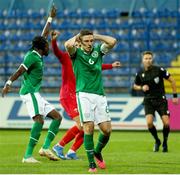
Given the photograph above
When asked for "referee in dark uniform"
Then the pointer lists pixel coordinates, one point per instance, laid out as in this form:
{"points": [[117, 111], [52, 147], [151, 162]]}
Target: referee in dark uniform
{"points": [[150, 80]]}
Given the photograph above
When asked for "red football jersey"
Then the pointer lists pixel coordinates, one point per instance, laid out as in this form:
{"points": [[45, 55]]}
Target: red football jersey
{"points": [[68, 85]]}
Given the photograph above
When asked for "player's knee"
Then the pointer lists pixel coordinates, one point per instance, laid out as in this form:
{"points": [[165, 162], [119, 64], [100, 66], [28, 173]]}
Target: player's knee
{"points": [[58, 117], [106, 130], [166, 124], [150, 125], [88, 127], [38, 118]]}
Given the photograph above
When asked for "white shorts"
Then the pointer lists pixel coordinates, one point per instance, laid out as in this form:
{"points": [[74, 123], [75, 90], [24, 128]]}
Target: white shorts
{"points": [[92, 107], [36, 104]]}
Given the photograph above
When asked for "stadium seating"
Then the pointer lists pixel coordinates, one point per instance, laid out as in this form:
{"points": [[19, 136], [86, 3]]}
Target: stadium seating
{"points": [[143, 30]]}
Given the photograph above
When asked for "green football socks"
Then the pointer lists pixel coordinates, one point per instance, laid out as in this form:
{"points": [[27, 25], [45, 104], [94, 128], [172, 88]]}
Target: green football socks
{"points": [[89, 147], [34, 137], [102, 141], [53, 130]]}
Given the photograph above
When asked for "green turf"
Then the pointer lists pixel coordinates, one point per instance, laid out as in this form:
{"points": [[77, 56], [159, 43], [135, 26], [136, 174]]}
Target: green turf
{"points": [[126, 153]]}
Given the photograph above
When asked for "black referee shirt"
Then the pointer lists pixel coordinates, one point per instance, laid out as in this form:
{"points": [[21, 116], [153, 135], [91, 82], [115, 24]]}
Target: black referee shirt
{"points": [[153, 77]]}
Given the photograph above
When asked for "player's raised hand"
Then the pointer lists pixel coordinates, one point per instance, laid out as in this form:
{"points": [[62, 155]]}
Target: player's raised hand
{"points": [[54, 34], [5, 90], [116, 64], [53, 11]]}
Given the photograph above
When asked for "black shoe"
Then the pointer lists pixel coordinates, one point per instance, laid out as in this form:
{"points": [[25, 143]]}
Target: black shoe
{"points": [[164, 147], [156, 146]]}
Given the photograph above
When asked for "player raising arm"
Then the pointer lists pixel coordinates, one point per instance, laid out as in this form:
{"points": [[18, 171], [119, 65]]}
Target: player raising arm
{"points": [[32, 71]]}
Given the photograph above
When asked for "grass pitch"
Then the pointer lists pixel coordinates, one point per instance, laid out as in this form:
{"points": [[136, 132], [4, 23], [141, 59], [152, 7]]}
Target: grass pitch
{"points": [[126, 153]]}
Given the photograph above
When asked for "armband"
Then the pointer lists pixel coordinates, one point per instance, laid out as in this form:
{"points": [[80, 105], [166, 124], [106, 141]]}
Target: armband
{"points": [[175, 95], [49, 19]]}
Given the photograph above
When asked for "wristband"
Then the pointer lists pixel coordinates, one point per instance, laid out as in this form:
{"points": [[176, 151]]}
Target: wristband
{"points": [[49, 19], [175, 95], [9, 82]]}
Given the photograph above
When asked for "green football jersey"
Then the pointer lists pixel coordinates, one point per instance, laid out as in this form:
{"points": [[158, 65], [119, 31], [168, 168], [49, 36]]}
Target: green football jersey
{"points": [[32, 78], [88, 71]]}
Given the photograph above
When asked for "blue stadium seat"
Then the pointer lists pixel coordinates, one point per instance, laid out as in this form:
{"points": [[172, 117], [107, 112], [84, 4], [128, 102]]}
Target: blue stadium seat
{"points": [[159, 27]]}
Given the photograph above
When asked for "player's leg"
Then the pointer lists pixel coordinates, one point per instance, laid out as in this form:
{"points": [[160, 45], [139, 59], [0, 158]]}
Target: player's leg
{"points": [[69, 135], [166, 130], [34, 137], [103, 139], [150, 108], [104, 123], [89, 144], [72, 111], [71, 154], [164, 113], [86, 110], [153, 131], [48, 110], [34, 112], [52, 131]]}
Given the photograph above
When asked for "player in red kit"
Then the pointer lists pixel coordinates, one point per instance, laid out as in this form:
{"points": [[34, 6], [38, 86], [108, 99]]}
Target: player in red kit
{"points": [[68, 101]]}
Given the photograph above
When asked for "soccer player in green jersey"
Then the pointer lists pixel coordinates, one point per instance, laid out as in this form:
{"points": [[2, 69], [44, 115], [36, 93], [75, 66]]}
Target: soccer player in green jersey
{"points": [[92, 103], [37, 106]]}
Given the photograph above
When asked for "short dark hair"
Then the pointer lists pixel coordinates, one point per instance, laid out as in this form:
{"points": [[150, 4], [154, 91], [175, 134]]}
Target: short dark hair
{"points": [[39, 42], [84, 32], [147, 52]]}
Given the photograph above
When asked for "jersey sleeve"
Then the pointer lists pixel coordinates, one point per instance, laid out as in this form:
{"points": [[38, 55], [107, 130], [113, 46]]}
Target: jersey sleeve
{"points": [[28, 61], [164, 73], [57, 52], [137, 80], [106, 66]]}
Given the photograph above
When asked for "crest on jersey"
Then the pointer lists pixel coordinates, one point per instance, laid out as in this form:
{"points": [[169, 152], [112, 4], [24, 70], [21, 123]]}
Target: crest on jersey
{"points": [[143, 75], [156, 80], [94, 54]]}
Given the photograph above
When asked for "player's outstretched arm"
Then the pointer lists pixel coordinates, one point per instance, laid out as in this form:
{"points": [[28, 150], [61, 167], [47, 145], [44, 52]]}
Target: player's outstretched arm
{"points": [[14, 77], [46, 28], [173, 85], [115, 64]]}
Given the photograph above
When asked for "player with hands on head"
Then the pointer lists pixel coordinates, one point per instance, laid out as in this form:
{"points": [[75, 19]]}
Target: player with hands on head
{"points": [[68, 100]]}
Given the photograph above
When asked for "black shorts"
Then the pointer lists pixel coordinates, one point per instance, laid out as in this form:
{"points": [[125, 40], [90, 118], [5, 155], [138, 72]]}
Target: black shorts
{"points": [[156, 104]]}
